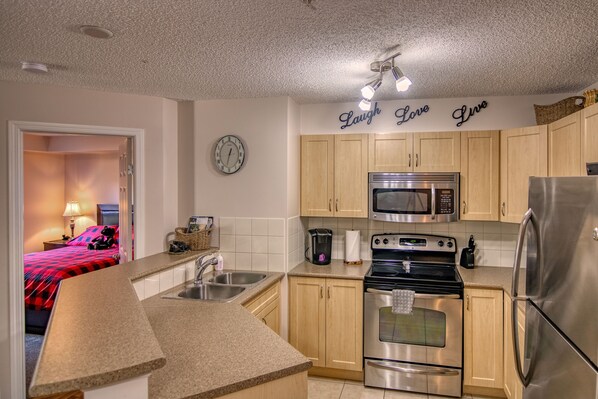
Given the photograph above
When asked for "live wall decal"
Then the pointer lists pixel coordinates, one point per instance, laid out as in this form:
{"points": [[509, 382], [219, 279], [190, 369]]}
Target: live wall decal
{"points": [[464, 113], [348, 119], [405, 115]]}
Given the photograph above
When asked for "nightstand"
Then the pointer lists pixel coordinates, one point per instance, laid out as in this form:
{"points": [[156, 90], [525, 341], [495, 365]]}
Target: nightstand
{"points": [[49, 245]]}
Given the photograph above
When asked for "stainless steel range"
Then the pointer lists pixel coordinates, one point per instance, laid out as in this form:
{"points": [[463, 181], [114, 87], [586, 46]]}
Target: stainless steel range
{"points": [[421, 351]]}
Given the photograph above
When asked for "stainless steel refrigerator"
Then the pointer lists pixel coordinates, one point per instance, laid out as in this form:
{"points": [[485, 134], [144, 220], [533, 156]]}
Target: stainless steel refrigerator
{"points": [[561, 327]]}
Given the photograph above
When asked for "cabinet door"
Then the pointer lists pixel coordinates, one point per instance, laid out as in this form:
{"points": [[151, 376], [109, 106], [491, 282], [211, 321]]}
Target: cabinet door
{"points": [[479, 175], [307, 318], [510, 374], [437, 152], [270, 316], [351, 175], [483, 338], [564, 146], [589, 135], [344, 321], [523, 153], [390, 152], [317, 175]]}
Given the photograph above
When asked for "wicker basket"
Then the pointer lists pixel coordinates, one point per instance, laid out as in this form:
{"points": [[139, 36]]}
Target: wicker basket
{"points": [[590, 96], [197, 240], [549, 113]]}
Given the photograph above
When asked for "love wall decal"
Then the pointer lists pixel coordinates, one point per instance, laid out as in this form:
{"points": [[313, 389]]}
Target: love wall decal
{"points": [[349, 120], [464, 113], [404, 115]]}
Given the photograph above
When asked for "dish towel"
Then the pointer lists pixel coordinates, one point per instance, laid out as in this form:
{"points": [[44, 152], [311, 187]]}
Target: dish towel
{"points": [[402, 301]]}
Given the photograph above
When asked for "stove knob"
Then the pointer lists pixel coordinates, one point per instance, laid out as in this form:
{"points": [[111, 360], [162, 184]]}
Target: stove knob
{"points": [[441, 243], [449, 244], [376, 241], [385, 241]]}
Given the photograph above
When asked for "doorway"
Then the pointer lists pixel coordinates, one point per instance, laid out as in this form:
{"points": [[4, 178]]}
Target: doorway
{"points": [[16, 132]]}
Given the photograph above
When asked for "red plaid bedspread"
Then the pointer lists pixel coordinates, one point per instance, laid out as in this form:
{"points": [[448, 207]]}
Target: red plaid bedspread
{"points": [[45, 270]]}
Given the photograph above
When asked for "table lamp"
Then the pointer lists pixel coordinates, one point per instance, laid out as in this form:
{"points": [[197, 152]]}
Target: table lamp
{"points": [[72, 209]]}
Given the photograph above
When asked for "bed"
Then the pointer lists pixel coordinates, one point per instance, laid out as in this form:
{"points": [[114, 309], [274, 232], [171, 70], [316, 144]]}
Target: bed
{"points": [[45, 270]]}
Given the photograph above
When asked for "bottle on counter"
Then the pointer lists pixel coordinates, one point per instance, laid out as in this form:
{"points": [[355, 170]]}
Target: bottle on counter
{"points": [[220, 263]]}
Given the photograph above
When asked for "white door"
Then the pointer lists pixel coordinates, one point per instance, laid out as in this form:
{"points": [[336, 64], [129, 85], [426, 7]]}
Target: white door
{"points": [[125, 200]]}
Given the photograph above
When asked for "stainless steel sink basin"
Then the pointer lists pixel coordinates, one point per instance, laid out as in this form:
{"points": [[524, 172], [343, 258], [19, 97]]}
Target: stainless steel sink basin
{"points": [[208, 292], [238, 278]]}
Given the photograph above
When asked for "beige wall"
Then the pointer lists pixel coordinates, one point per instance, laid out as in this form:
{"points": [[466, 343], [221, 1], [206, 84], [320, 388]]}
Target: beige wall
{"points": [[44, 182], [39, 103], [186, 169], [293, 159], [90, 179]]}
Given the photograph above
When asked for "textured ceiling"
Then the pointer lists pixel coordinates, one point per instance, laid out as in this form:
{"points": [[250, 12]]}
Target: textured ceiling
{"points": [[212, 49]]}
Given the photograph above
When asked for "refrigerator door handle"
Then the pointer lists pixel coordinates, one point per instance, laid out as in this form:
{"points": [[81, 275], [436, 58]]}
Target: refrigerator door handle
{"points": [[528, 217]]}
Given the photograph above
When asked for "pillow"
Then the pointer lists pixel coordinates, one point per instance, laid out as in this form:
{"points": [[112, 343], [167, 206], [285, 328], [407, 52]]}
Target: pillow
{"points": [[87, 236]]}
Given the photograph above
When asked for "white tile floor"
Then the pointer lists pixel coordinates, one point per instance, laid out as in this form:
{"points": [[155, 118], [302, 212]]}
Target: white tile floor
{"points": [[327, 388]]}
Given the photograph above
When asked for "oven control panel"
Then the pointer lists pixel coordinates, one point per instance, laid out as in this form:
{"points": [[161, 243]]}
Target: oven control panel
{"points": [[413, 242]]}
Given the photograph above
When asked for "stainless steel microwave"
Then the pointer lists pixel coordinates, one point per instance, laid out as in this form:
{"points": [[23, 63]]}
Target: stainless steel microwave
{"points": [[414, 197]]}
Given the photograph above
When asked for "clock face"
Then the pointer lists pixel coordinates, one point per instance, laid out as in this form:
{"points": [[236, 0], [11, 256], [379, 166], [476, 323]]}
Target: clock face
{"points": [[229, 154]]}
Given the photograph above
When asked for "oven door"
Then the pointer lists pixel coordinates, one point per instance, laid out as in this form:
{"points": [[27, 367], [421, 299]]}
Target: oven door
{"points": [[431, 334]]}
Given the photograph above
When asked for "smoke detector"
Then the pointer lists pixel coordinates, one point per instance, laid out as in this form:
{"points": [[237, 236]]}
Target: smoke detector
{"points": [[34, 67], [96, 31]]}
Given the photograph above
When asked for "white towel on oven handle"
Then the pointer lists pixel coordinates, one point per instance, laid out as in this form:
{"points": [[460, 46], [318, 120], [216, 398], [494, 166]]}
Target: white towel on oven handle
{"points": [[402, 301]]}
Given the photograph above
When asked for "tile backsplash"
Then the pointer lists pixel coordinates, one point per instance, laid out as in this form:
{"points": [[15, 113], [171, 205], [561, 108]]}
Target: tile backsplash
{"points": [[495, 241]]}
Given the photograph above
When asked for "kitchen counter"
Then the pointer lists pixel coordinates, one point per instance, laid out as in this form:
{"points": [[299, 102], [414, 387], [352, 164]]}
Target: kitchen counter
{"points": [[492, 278], [101, 334], [336, 269], [216, 348]]}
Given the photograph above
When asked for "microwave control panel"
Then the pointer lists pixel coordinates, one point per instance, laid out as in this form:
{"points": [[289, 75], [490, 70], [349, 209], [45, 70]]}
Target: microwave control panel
{"points": [[445, 201]]}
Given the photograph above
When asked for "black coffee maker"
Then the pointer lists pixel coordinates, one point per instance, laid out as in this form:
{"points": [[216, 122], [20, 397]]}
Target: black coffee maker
{"points": [[319, 251]]}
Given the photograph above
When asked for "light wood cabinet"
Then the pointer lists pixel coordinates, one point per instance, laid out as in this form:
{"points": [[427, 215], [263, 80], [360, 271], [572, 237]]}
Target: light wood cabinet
{"points": [[564, 146], [415, 152], [334, 175], [266, 307], [483, 338], [512, 385], [589, 135], [479, 175], [325, 321], [523, 153]]}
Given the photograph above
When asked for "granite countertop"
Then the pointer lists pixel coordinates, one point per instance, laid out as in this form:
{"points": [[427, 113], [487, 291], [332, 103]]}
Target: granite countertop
{"points": [[216, 348], [100, 333], [492, 277], [336, 269]]}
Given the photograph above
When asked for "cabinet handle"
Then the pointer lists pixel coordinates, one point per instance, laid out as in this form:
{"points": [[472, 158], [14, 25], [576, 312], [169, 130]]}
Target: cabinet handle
{"points": [[337, 204], [409, 160], [321, 291], [330, 205], [502, 209], [328, 292], [416, 160], [464, 207], [467, 302]]}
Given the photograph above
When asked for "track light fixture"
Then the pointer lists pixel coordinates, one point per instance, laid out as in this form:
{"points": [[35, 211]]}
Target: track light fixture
{"points": [[402, 82]]}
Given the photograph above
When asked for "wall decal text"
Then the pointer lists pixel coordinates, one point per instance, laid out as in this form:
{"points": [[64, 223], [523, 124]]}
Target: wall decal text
{"points": [[464, 113], [405, 116], [349, 120]]}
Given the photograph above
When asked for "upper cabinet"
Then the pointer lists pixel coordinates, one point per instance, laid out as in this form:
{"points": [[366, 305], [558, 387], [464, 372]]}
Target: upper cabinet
{"points": [[479, 175], [334, 175], [523, 153], [564, 147], [415, 152], [589, 135]]}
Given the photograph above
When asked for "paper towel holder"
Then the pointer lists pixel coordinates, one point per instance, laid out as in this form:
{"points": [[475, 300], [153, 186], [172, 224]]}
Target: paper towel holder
{"points": [[353, 262]]}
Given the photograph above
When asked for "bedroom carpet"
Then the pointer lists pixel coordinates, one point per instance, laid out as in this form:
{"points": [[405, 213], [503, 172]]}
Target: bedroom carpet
{"points": [[33, 344]]}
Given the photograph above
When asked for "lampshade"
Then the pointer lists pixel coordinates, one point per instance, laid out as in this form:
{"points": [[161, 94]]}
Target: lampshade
{"points": [[365, 105], [403, 82], [369, 89], [72, 209]]}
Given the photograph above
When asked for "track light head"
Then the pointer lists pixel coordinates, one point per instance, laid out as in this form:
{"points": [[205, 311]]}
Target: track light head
{"points": [[365, 105], [402, 81], [369, 89]]}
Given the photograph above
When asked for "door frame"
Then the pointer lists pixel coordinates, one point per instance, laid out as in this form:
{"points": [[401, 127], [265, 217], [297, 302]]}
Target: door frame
{"points": [[16, 131]]}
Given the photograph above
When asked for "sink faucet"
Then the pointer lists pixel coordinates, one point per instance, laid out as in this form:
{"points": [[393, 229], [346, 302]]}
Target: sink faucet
{"points": [[201, 265]]}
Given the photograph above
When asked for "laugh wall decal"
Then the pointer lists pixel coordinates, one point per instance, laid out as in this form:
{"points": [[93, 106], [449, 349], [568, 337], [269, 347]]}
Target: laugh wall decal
{"points": [[349, 120]]}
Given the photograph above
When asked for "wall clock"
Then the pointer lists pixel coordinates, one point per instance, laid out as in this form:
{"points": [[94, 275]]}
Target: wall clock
{"points": [[229, 154]]}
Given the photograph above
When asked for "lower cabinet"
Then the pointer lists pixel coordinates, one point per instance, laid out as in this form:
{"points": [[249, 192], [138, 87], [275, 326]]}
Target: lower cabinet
{"points": [[483, 338], [326, 321], [512, 384], [266, 307]]}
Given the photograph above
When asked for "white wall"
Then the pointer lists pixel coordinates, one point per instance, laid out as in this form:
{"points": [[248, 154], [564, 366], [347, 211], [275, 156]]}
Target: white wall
{"points": [[185, 161], [293, 159], [501, 113]]}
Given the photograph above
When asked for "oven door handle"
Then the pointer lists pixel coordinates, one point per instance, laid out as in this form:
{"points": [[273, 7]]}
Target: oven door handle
{"points": [[417, 296], [414, 370]]}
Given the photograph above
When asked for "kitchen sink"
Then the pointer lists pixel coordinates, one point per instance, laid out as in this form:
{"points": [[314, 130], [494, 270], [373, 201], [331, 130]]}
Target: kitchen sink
{"points": [[238, 278], [207, 292]]}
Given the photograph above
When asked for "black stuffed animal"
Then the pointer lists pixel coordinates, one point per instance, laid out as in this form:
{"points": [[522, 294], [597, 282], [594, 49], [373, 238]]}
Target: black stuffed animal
{"points": [[104, 241]]}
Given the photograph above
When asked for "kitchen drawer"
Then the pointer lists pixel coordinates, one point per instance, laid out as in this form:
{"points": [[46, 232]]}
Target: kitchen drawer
{"points": [[256, 305]]}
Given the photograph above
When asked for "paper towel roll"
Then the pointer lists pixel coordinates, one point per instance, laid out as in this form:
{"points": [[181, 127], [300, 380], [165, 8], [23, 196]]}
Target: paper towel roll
{"points": [[352, 246]]}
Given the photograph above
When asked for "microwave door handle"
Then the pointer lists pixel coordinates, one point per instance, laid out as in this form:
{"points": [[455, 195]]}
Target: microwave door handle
{"points": [[414, 370], [417, 296], [433, 202]]}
